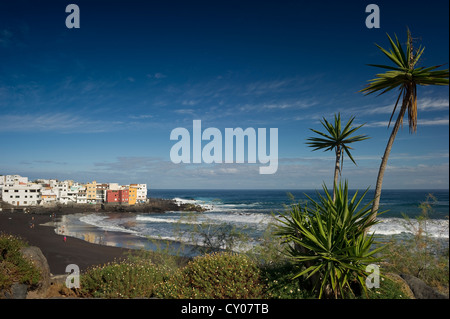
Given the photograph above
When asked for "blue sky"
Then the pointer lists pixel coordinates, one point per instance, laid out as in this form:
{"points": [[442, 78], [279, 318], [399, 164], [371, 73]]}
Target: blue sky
{"points": [[99, 102]]}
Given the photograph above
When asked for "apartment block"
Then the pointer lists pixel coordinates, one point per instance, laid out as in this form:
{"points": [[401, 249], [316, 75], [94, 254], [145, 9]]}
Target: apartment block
{"points": [[22, 195], [132, 195], [91, 192], [48, 195], [120, 196]]}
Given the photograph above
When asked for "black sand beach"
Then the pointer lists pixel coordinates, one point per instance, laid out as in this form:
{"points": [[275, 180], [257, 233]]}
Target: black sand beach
{"points": [[59, 253]]}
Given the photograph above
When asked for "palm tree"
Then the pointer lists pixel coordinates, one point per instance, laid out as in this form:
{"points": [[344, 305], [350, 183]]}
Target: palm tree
{"points": [[338, 140], [405, 76]]}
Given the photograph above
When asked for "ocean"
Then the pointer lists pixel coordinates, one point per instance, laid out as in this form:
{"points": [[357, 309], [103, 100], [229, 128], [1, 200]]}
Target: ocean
{"points": [[246, 212]]}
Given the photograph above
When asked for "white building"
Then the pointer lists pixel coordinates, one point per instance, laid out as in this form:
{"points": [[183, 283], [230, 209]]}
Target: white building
{"points": [[49, 196], [15, 180], [11, 180], [141, 193], [82, 196], [61, 188], [22, 195]]}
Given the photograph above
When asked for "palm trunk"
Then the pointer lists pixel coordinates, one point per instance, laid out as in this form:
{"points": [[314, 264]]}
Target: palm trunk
{"points": [[336, 170], [376, 202]]}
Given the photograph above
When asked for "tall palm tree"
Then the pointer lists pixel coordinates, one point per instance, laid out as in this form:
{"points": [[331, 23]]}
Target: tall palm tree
{"points": [[338, 140], [405, 76]]}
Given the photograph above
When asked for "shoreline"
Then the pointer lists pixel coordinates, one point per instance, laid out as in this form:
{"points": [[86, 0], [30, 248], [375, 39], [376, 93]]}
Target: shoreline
{"points": [[59, 253], [73, 250]]}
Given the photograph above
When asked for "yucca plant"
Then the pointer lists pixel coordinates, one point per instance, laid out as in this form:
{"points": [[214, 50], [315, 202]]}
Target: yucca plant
{"points": [[337, 139], [406, 76], [328, 239]]}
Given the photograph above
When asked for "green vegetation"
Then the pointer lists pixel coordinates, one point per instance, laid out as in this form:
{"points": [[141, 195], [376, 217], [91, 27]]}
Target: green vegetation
{"points": [[216, 276], [328, 241], [420, 255], [213, 276], [406, 76], [13, 267], [126, 279], [337, 139], [290, 255]]}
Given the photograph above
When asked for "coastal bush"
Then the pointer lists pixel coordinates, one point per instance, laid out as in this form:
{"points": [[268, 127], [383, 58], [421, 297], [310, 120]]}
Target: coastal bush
{"points": [[125, 279], [214, 276], [328, 242], [205, 237], [420, 255], [279, 284], [13, 267]]}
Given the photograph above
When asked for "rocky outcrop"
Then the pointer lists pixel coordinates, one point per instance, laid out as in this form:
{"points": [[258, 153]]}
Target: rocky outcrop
{"points": [[420, 289], [37, 258], [17, 291], [22, 291]]}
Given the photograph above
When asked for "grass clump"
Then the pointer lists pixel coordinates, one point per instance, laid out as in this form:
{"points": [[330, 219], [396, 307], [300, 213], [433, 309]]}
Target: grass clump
{"points": [[13, 267]]}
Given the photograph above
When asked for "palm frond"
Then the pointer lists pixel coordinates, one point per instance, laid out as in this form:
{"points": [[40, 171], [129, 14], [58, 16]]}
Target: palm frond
{"points": [[405, 76]]}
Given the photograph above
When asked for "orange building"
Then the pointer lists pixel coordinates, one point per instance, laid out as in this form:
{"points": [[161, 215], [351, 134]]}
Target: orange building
{"points": [[132, 195]]}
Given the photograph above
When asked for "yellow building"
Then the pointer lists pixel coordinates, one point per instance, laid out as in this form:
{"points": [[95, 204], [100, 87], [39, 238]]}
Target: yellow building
{"points": [[91, 192], [132, 195]]}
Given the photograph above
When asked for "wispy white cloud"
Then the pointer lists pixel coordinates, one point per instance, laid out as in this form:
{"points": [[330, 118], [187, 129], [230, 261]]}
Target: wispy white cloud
{"points": [[436, 121], [140, 117], [54, 122], [424, 104], [432, 104], [185, 111], [424, 122]]}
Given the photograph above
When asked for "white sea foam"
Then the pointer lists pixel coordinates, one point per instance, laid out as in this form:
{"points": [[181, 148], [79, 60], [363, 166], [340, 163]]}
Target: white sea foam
{"points": [[185, 201], [394, 226], [162, 226], [167, 220], [104, 223]]}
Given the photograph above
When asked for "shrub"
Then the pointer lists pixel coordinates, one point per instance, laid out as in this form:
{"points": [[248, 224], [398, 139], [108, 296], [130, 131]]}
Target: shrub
{"points": [[420, 255], [329, 242], [215, 276], [126, 279], [13, 267], [279, 283]]}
